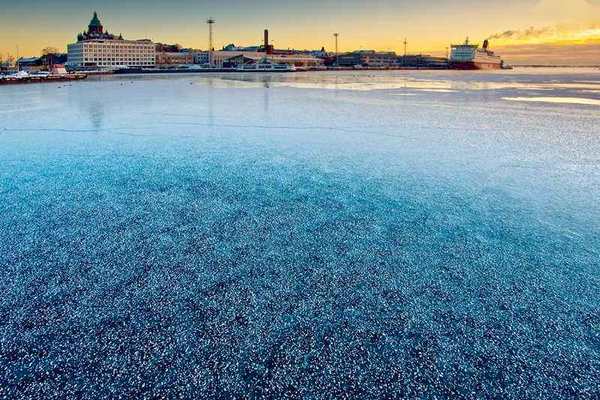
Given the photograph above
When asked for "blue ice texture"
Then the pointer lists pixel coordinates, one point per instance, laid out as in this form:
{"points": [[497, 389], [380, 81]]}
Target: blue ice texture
{"points": [[304, 236]]}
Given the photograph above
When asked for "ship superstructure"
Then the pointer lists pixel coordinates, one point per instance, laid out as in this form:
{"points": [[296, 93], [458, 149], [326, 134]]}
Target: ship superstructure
{"points": [[471, 56]]}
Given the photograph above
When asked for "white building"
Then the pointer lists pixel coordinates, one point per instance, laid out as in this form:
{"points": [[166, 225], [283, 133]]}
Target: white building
{"points": [[98, 49], [106, 54]]}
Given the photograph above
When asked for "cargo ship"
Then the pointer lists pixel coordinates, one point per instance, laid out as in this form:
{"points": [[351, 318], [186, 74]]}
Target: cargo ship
{"points": [[471, 56]]}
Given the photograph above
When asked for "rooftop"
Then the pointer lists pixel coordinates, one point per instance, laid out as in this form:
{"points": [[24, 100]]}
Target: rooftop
{"points": [[95, 22]]}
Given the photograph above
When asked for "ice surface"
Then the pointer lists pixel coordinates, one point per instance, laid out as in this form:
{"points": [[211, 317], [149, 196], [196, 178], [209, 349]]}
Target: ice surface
{"points": [[349, 235], [556, 99]]}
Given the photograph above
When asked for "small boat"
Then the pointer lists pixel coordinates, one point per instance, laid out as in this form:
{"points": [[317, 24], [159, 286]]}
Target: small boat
{"points": [[40, 74], [23, 77], [19, 75]]}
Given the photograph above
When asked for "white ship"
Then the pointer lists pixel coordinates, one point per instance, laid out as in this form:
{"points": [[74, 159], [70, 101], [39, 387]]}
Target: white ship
{"points": [[471, 56]]}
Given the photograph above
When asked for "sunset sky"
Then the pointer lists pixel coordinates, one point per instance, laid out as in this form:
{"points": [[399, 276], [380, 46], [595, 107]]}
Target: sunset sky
{"points": [[523, 31]]}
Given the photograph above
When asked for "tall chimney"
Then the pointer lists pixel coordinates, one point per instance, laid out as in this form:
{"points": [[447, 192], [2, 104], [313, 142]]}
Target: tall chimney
{"points": [[267, 41]]}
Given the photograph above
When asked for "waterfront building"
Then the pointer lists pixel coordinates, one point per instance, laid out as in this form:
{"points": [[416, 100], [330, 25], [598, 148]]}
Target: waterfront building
{"points": [[368, 58], [317, 53], [96, 48], [201, 57], [296, 60], [221, 58], [240, 60], [422, 61], [4, 65], [234, 55], [30, 64], [233, 47], [175, 54], [167, 48], [348, 59], [164, 58], [43, 63]]}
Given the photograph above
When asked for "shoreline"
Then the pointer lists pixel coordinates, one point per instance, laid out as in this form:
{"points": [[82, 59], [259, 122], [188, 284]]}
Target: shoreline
{"points": [[80, 76], [43, 79], [231, 70]]}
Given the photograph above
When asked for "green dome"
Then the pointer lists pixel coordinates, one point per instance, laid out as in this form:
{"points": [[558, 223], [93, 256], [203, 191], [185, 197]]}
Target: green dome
{"points": [[95, 22]]}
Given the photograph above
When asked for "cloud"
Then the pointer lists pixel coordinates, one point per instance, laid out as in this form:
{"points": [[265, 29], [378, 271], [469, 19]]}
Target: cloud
{"points": [[553, 53], [549, 34], [531, 32], [560, 44]]}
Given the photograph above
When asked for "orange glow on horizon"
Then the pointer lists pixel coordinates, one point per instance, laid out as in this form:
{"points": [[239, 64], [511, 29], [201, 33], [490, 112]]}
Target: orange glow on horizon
{"points": [[430, 29]]}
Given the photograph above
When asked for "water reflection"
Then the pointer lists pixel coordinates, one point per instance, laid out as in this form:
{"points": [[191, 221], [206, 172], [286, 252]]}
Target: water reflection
{"points": [[439, 81], [96, 113], [266, 91], [210, 100]]}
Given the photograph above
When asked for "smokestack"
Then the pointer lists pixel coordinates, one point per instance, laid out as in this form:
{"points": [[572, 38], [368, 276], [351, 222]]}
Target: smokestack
{"points": [[267, 41], [486, 44]]}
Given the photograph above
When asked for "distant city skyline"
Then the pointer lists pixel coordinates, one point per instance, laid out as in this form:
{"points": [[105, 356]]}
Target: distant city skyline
{"points": [[523, 31]]}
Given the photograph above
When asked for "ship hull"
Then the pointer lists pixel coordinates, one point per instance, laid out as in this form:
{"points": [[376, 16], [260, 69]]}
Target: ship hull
{"points": [[475, 65]]}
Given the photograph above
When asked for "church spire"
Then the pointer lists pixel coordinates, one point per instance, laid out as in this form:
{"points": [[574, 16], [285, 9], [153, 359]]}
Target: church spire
{"points": [[95, 31], [95, 27], [95, 20]]}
